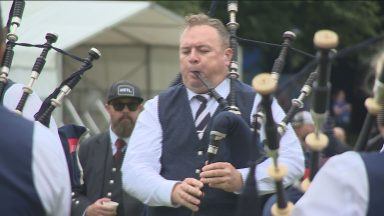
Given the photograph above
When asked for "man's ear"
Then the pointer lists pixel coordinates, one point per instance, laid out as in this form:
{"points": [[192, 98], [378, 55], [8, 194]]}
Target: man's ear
{"points": [[228, 53]]}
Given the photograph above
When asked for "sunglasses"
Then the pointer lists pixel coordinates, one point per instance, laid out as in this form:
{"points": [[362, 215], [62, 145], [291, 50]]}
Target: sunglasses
{"points": [[132, 106]]}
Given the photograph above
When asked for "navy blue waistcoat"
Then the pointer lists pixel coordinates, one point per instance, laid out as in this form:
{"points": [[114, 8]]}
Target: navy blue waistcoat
{"points": [[183, 153], [18, 193], [374, 163]]}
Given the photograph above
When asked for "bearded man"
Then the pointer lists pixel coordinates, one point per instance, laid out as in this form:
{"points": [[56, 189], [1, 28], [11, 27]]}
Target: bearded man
{"points": [[101, 157]]}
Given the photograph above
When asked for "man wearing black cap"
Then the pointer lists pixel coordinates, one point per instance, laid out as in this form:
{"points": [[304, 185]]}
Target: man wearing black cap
{"points": [[101, 157]]}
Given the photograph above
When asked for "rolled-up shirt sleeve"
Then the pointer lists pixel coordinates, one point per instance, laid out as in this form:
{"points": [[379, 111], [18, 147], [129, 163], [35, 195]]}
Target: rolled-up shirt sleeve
{"points": [[141, 166]]}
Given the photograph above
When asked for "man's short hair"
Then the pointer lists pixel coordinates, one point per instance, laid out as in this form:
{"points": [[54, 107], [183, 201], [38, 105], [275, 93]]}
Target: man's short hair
{"points": [[202, 19]]}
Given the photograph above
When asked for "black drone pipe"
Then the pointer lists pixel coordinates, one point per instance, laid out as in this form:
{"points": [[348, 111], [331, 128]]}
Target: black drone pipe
{"points": [[36, 70], [324, 41], [14, 22], [43, 116]]}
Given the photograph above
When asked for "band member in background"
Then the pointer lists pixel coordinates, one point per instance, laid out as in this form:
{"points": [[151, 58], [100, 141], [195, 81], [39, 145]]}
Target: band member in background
{"points": [[303, 125], [168, 145], [101, 157]]}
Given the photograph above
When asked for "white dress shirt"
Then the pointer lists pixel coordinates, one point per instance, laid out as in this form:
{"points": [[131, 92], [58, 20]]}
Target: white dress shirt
{"points": [[50, 172], [141, 166], [339, 188]]}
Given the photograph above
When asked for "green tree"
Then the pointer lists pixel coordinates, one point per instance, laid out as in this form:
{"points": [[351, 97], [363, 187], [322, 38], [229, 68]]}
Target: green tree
{"points": [[354, 21]]}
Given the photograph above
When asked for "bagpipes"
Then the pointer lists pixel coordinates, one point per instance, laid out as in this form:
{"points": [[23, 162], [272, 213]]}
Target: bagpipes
{"points": [[266, 84], [324, 41], [69, 134], [36, 70], [13, 24], [54, 100], [65, 87]]}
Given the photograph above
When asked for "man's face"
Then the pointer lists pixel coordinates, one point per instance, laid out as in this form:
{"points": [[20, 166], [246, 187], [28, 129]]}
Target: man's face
{"points": [[201, 50], [123, 120]]}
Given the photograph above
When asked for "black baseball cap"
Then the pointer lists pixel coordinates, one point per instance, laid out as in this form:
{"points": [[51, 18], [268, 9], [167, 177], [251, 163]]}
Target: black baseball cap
{"points": [[122, 89]]}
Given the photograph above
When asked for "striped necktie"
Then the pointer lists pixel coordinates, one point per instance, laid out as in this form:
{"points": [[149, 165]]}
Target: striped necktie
{"points": [[202, 116]]}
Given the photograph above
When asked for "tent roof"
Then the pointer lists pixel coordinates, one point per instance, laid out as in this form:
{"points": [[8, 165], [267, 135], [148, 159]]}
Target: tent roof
{"points": [[93, 23]]}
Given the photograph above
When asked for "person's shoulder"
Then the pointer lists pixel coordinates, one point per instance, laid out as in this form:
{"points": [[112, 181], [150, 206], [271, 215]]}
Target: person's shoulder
{"points": [[172, 89], [15, 86], [344, 156], [171, 94], [41, 129], [13, 119], [93, 140], [346, 160], [372, 155], [43, 137], [245, 87]]}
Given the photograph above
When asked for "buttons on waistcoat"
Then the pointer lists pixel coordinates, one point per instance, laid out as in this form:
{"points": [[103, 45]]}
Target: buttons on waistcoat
{"points": [[74, 200], [111, 181], [114, 169], [109, 194], [200, 153], [197, 171]]}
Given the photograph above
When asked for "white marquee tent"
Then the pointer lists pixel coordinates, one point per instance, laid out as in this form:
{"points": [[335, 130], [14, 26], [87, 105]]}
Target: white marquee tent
{"points": [[138, 42]]}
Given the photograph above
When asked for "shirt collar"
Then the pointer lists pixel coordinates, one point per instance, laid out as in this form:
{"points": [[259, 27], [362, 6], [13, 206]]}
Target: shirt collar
{"points": [[222, 89]]}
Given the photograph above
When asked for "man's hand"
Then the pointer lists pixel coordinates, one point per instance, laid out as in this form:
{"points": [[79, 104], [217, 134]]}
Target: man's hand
{"points": [[187, 193], [97, 208], [222, 175]]}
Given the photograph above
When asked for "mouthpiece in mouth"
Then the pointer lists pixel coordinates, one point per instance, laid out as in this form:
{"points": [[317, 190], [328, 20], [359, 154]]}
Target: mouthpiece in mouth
{"points": [[197, 73]]}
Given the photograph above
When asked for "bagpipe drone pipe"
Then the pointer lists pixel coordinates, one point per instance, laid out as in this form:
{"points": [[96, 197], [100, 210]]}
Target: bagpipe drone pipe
{"points": [[265, 84], [319, 84], [14, 20], [69, 134]]}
